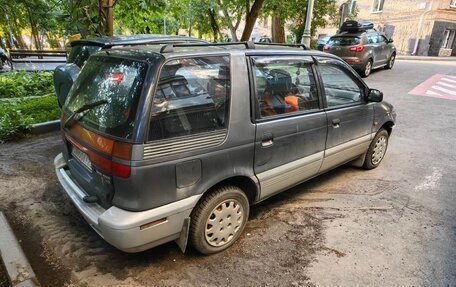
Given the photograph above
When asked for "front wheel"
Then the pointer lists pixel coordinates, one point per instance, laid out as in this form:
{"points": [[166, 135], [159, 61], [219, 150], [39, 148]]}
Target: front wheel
{"points": [[391, 61], [377, 150], [219, 219]]}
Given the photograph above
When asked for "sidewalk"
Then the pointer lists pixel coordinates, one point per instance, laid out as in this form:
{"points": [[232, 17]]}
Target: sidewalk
{"points": [[425, 58]]}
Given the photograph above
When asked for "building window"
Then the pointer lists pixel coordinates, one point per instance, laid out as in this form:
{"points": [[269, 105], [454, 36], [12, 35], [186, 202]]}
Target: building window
{"points": [[377, 6], [448, 39], [453, 3]]}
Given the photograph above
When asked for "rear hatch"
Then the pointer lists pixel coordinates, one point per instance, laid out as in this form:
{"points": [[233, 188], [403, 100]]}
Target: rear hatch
{"points": [[344, 46], [98, 137]]}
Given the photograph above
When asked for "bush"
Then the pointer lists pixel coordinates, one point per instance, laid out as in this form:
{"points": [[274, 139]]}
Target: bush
{"points": [[16, 118], [25, 84]]}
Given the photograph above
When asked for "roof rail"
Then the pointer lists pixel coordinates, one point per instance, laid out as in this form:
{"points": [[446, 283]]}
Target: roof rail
{"points": [[168, 48], [304, 47]]}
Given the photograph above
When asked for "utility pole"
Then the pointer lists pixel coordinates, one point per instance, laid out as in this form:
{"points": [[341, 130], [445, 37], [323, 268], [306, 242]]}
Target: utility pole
{"points": [[306, 35]]}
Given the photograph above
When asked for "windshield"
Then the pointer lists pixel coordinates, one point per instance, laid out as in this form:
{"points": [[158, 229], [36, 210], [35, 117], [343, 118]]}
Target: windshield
{"points": [[79, 54], [343, 41], [118, 82]]}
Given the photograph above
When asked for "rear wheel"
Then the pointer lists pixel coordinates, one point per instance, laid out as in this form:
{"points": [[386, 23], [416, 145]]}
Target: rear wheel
{"points": [[367, 69], [377, 150], [391, 61], [219, 219]]}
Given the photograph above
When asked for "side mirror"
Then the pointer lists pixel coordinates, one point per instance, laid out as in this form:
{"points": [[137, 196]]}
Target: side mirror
{"points": [[64, 77], [390, 40], [375, 96]]}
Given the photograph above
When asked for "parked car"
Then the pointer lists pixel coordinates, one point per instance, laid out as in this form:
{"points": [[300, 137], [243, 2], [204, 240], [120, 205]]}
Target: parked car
{"points": [[64, 75], [175, 143], [322, 40], [362, 47]]}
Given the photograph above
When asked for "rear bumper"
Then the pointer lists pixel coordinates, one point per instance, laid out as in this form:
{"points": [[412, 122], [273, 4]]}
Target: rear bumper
{"points": [[355, 62], [122, 228]]}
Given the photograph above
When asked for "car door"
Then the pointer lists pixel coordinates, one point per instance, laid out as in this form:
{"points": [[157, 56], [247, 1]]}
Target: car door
{"points": [[350, 117], [375, 48], [383, 49], [290, 124]]}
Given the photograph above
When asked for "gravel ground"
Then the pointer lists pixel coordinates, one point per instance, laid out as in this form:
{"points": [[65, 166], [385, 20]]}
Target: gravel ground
{"points": [[392, 226], [4, 282]]}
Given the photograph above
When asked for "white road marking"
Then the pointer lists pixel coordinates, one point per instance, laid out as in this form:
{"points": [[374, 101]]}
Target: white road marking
{"points": [[446, 85], [430, 181], [430, 92], [448, 80], [444, 90]]}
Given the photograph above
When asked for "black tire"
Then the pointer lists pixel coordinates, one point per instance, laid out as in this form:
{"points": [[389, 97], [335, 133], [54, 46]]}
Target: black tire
{"points": [[226, 230], [391, 61], [377, 150], [367, 69]]}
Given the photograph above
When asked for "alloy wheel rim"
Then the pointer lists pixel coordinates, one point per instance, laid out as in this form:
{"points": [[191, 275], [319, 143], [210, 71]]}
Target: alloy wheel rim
{"points": [[368, 68], [379, 150], [393, 58], [224, 222]]}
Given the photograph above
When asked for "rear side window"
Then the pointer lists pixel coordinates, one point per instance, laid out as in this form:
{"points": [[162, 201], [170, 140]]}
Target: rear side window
{"points": [[118, 83], [284, 85], [80, 53], [344, 41], [192, 97]]}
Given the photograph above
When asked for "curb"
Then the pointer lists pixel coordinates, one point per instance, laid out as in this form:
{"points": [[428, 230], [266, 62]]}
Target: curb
{"points": [[425, 58], [45, 127], [16, 264]]}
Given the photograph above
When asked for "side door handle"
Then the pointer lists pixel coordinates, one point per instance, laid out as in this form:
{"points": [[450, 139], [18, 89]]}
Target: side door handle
{"points": [[336, 123], [267, 140]]}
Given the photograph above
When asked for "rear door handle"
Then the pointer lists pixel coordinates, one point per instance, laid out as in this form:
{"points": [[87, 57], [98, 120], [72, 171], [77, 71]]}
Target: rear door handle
{"points": [[267, 140], [336, 123]]}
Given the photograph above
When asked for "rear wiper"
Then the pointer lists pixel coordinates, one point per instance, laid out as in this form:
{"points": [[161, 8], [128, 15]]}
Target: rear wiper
{"points": [[84, 108]]}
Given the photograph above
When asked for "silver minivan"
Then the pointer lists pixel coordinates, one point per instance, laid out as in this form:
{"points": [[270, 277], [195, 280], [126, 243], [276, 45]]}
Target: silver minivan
{"points": [[175, 143]]}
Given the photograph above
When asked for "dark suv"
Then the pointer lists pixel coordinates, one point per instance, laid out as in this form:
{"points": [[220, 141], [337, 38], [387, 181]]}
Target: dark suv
{"points": [[175, 143], [362, 47]]}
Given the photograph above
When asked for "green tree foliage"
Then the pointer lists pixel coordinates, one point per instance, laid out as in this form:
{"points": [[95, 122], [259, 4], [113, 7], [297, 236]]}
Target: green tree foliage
{"points": [[293, 13]]}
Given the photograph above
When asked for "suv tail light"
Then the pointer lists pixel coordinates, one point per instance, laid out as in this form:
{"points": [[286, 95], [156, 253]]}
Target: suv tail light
{"points": [[105, 151], [358, 48], [326, 48]]}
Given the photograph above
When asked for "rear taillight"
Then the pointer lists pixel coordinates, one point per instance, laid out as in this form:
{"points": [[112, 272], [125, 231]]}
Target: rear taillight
{"points": [[326, 48], [105, 151], [358, 48]]}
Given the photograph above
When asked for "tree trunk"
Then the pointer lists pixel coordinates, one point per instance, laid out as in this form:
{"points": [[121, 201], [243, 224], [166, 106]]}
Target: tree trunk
{"points": [[214, 24], [251, 18], [107, 21], [299, 32], [227, 19], [34, 30], [277, 30]]}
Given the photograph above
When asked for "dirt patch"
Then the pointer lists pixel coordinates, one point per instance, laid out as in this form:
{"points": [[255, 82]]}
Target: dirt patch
{"points": [[279, 242]]}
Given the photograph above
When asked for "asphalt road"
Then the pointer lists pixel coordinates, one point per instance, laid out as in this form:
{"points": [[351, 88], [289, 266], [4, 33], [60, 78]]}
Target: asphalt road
{"points": [[392, 226]]}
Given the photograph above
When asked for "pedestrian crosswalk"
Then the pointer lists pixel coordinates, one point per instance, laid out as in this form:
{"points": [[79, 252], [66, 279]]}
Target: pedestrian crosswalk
{"points": [[438, 86]]}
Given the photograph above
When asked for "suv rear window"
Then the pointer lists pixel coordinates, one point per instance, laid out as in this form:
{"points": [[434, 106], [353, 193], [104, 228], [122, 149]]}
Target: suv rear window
{"points": [[117, 81], [80, 53], [344, 41]]}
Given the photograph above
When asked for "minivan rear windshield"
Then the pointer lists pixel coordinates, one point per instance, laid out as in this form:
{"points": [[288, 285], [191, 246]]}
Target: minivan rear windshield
{"points": [[118, 82], [80, 53], [344, 41]]}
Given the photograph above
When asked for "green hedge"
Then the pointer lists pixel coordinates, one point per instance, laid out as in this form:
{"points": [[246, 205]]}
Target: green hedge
{"points": [[16, 117], [25, 84]]}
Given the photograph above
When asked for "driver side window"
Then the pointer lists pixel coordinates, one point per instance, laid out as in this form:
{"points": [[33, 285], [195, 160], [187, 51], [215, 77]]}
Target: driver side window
{"points": [[340, 88]]}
